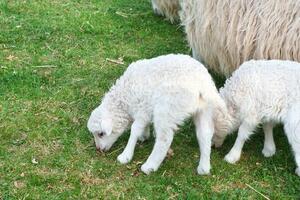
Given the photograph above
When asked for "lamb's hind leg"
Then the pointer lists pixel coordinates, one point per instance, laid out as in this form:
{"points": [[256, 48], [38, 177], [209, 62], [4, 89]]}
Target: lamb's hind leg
{"points": [[204, 130], [137, 130], [246, 129], [269, 144], [292, 130]]}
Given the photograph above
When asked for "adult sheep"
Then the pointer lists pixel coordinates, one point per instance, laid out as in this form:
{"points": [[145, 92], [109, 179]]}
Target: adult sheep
{"points": [[225, 33], [167, 8]]}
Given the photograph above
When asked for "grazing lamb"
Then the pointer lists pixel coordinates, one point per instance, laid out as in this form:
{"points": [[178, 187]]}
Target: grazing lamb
{"points": [[225, 33], [164, 90], [167, 8], [264, 92]]}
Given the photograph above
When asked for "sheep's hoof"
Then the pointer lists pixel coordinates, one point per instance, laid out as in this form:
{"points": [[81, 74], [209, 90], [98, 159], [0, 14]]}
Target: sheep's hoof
{"points": [[232, 157], [268, 152], [298, 171], [124, 158], [203, 170], [148, 168]]}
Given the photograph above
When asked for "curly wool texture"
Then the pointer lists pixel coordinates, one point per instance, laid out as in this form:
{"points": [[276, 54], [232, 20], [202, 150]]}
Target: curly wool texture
{"points": [[147, 82], [167, 8], [267, 92], [164, 91], [264, 89], [225, 33]]}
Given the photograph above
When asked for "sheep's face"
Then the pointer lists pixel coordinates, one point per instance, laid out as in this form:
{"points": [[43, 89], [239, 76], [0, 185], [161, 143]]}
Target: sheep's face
{"points": [[218, 140], [101, 127], [221, 131], [223, 126]]}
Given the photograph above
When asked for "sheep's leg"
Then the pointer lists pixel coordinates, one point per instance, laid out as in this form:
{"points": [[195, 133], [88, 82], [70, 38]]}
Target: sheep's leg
{"points": [[293, 134], [146, 134], [296, 147], [167, 114], [137, 130], [204, 130], [269, 144], [162, 144], [245, 130], [292, 130]]}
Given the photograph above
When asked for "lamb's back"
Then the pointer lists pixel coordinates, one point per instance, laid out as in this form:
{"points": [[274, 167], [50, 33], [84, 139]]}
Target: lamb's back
{"points": [[180, 70], [149, 78], [264, 84]]}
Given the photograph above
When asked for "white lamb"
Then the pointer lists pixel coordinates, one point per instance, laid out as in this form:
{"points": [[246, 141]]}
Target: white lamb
{"points": [[164, 90], [264, 92]]}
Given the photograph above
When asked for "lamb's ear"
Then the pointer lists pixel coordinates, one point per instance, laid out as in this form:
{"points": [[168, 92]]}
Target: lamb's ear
{"points": [[106, 125]]}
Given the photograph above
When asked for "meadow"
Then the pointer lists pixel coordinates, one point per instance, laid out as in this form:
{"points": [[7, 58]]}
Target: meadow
{"points": [[57, 59]]}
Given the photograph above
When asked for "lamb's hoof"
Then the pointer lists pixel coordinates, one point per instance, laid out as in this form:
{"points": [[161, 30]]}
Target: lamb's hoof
{"points": [[124, 158], [268, 152], [298, 171], [148, 168], [232, 157], [203, 170]]}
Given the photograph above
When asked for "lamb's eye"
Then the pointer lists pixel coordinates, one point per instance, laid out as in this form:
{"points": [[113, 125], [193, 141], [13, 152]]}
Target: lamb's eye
{"points": [[100, 134]]}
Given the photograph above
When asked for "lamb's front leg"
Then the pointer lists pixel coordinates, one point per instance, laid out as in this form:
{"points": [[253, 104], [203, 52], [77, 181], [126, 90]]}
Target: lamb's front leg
{"points": [[269, 144], [162, 144], [245, 130], [137, 130], [204, 130], [292, 130]]}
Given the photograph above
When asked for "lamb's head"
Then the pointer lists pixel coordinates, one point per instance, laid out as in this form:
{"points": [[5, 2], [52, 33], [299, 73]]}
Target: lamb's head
{"points": [[223, 124], [101, 125]]}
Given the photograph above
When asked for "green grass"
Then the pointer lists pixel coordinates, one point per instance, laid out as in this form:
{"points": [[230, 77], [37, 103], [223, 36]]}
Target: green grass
{"points": [[43, 110]]}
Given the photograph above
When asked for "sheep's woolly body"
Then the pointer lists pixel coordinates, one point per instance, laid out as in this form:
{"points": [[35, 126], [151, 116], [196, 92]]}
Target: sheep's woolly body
{"points": [[167, 8], [164, 90], [264, 92], [147, 83], [225, 33]]}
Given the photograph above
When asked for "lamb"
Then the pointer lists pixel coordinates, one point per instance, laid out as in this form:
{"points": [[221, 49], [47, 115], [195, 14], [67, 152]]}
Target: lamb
{"points": [[167, 8], [225, 33], [264, 92], [164, 90]]}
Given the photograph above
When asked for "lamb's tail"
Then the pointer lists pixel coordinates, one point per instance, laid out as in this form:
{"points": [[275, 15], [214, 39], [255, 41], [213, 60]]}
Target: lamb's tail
{"points": [[213, 99]]}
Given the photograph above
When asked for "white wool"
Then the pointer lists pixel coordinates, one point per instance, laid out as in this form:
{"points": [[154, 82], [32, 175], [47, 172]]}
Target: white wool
{"points": [[264, 92], [164, 91]]}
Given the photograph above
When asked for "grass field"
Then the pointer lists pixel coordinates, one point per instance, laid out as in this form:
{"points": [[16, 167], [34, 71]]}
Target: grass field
{"points": [[54, 71]]}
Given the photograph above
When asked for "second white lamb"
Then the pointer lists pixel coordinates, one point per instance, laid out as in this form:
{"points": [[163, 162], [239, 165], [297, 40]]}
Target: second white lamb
{"points": [[267, 92]]}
